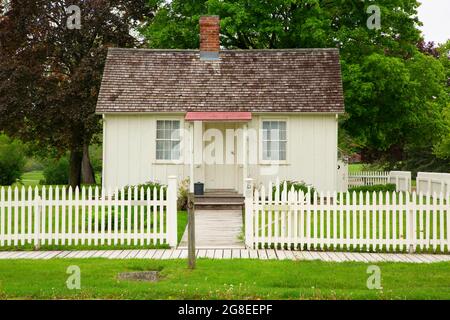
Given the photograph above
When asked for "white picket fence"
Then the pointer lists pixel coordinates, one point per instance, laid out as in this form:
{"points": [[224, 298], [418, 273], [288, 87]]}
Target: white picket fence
{"points": [[346, 221], [433, 182], [401, 179], [367, 178], [88, 216]]}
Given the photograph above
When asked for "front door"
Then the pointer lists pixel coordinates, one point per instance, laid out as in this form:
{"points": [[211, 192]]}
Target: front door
{"points": [[219, 156]]}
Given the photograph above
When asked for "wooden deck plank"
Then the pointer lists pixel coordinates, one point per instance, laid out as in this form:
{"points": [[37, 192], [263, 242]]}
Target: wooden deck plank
{"points": [[281, 255], [253, 253], [201, 253], [158, 254], [334, 257], [314, 255], [245, 254], [216, 229], [210, 253], [218, 254], [227, 253], [183, 254], [167, 254], [235, 253], [262, 254], [289, 255], [271, 255]]}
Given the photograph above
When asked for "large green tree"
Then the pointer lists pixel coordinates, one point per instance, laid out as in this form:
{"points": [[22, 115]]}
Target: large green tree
{"points": [[50, 72], [394, 94]]}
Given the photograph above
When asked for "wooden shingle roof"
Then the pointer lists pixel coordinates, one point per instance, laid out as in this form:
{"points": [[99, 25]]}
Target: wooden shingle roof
{"points": [[294, 80]]}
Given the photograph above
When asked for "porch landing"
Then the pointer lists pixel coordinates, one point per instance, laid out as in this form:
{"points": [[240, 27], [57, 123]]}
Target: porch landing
{"points": [[216, 229]]}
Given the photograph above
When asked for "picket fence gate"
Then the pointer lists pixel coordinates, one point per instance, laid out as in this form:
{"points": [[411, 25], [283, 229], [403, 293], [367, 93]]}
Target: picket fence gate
{"points": [[384, 221], [88, 216], [367, 178]]}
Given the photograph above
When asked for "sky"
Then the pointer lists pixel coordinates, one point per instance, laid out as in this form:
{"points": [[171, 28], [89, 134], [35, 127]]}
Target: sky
{"points": [[435, 16]]}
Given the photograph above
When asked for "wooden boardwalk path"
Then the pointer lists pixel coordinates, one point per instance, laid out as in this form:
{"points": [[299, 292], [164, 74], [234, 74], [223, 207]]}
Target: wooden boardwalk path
{"points": [[217, 229], [264, 254]]}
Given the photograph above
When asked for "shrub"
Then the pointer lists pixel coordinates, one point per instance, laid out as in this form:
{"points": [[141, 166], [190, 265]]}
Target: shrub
{"points": [[183, 192], [129, 190], [56, 172], [377, 188], [12, 160], [298, 186]]}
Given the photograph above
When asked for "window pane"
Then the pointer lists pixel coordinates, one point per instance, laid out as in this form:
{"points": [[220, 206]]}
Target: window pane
{"points": [[266, 150], [159, 145], [274, 125], [159, 125], [175, 134], [175, 150], [265, 134]]}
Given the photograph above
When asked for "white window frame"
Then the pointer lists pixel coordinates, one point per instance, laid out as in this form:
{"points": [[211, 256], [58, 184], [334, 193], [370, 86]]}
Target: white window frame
{"points": [[169, 161], [261, 143]]}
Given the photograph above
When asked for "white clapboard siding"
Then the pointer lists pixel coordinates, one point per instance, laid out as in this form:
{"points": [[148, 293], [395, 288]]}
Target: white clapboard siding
{"points": [[88, 216], [383, 221]]}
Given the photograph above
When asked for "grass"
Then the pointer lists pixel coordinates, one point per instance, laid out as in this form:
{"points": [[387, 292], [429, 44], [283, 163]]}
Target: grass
{"points": [[31, 178], [181, 225], [355, 167], [222, 279]]}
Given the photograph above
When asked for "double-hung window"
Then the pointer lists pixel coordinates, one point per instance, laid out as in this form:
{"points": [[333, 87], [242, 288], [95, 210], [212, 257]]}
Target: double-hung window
{"points": [[168, 140], [274, 140]]}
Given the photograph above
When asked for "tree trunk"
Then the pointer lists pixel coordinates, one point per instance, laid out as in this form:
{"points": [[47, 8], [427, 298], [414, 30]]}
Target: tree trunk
{"points": [[87, 171], [76, 157]]}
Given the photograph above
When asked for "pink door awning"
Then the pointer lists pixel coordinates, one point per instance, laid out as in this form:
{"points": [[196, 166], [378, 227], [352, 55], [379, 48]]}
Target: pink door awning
{"points": [[218, 116]]}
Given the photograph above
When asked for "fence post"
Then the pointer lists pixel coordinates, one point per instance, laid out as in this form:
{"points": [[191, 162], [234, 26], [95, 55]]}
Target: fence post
{"points": [[37, 221], [191, 231], [172, 196], [248, 193]]}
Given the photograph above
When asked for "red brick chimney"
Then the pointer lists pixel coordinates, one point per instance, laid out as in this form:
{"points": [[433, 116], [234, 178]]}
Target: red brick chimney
{"points": [[209, 37]]}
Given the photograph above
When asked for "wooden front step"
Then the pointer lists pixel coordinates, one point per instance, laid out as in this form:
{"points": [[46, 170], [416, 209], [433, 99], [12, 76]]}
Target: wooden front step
{"points": [[219, 200]]}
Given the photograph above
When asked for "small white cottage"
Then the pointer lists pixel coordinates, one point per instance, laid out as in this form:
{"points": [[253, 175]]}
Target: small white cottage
{"points": [[219, 116]]}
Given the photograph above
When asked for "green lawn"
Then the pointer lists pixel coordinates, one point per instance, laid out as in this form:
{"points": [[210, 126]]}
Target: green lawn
{"points": [[32, 178], [223, 279], [355, 167]]}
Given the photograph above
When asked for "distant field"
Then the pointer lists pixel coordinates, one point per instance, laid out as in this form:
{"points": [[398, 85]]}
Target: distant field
{"points": [[354, 167], [32, 178]]}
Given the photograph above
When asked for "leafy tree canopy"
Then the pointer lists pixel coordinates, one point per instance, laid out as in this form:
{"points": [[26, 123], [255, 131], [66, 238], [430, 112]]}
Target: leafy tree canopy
{"points": [[50, 74], [394, 83]]}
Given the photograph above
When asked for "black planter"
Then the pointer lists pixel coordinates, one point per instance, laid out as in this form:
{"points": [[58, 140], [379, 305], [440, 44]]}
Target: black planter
{"points": [[199, 189]]}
